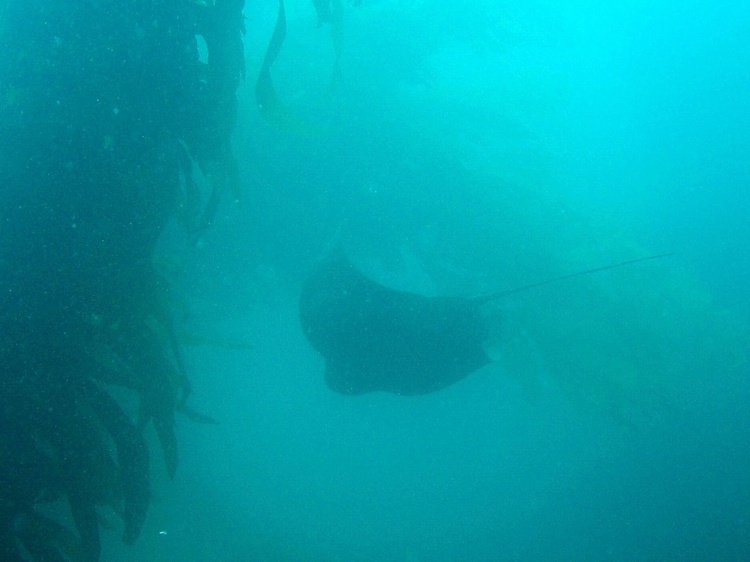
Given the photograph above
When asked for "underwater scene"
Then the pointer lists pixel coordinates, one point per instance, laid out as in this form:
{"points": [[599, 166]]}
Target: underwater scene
{"points": [[374, 281]]}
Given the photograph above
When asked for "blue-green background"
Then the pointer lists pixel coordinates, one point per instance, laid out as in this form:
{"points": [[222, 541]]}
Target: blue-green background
{"points": [[636, 114]]}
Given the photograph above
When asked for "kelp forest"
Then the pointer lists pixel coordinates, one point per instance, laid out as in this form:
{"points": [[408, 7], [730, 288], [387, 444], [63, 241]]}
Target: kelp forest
{"points": [[121, 121], [105, 112]]}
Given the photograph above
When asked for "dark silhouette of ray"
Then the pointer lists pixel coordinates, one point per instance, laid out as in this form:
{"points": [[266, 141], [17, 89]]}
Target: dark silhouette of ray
{"points": [[374, 338]]}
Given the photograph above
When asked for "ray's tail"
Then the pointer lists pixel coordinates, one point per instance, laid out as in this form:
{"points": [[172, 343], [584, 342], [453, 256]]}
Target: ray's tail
{"points": [[494, 296]]}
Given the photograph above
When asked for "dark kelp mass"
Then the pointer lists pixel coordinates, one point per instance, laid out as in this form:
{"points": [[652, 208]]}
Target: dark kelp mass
{"points": [[104, 108]]}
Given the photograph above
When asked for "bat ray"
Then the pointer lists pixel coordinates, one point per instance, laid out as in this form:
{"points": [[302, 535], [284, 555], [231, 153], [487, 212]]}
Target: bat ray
{"points": [[374, 338]]}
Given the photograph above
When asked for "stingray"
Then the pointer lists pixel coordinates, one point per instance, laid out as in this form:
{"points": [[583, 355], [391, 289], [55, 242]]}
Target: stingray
{"points": [[374, 338]]}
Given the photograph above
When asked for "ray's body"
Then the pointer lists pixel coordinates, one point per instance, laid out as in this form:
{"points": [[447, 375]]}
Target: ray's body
{"points": [[374, 338]]}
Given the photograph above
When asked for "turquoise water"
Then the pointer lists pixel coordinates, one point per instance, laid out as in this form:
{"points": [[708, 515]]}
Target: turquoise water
{"points": [[634, 115], [470, 147]]}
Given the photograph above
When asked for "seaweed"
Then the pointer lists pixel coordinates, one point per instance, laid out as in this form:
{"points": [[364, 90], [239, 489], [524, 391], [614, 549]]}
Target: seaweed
{"points": [[104, 111]]}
